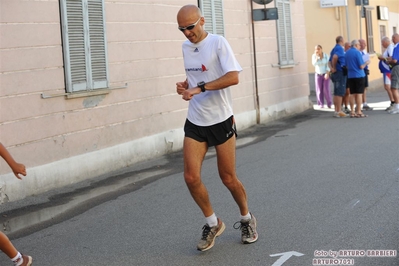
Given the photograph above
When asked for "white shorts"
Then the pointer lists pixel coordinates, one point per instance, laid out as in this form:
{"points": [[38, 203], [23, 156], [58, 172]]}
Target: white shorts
{"points": [[387, 78]]}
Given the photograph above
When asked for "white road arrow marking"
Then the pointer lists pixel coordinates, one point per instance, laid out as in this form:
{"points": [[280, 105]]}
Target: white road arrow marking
{"points": [[284, 257]]}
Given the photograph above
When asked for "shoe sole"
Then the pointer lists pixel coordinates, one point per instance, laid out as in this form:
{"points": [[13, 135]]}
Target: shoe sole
{"points": [[221, 230]]}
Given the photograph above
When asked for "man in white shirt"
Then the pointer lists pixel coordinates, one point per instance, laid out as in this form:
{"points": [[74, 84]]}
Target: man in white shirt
{"points": [[211, 68], [384, 68], [366, 57], [393, 61]]}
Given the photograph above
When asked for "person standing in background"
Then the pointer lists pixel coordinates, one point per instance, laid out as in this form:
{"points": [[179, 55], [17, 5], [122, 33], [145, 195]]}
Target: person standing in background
{"points": [[385, 70], [338, 74], [366, 57], [5, 244], [356, 65], [394, 62], [346, 99], [322, 76]]}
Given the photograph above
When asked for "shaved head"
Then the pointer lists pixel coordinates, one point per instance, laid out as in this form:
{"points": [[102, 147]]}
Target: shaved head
{"points": [[191, 11], [190, 22]]}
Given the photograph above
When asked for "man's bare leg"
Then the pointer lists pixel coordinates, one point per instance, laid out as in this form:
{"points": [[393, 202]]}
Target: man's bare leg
{"points": [[226, 156], [194, 153]]}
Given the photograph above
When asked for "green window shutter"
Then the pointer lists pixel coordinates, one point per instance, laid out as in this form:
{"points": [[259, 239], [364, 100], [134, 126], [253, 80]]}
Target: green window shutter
{"points": [[284, 33], [84, 44], [212, 10]]}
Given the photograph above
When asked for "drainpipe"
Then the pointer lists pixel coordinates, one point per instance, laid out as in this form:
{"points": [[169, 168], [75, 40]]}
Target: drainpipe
{"points": [[360, 19], [347, 24], [255, 67]]}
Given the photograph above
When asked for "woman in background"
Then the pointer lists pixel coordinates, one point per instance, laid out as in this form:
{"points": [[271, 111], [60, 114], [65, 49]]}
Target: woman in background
{"points": [[322, 76]]}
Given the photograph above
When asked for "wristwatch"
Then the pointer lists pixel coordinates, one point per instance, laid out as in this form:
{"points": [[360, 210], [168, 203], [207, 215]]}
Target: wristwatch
{"points": [[201, 85]]}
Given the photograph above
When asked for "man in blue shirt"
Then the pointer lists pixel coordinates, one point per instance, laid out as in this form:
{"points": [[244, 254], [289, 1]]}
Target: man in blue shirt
{"points": [[356, 76], [394, 62], [338, 75]]}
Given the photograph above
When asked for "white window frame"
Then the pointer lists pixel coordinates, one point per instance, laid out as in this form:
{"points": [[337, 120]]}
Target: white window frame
{"points": [[284, 33], [212, 11], [84, 45]]}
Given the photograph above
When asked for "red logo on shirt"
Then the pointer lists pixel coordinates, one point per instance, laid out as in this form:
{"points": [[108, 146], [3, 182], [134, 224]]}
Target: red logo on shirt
{"points": [[204, 68]]}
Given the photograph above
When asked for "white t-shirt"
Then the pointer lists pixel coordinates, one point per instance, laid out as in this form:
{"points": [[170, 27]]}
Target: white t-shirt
{"points": [[365, 56], [206, 61], [389, 51]]}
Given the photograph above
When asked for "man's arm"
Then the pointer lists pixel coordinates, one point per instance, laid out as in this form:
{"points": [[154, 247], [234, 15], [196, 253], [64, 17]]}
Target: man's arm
{"points": [[365, 64], [333, 63], [227, 80]]}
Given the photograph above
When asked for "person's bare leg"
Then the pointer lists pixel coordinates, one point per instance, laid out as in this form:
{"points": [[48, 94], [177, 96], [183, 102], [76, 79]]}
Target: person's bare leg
{"points": [[395, 95], [7, 247], [337, 103], [359, 100], [387, 87], [194, 153], [364, 96], [352, 102], [226, 156], [346, 98]]}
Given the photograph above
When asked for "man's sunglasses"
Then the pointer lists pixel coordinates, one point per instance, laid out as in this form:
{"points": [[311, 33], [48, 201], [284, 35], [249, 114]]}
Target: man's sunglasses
{"points": [[190, 27]]}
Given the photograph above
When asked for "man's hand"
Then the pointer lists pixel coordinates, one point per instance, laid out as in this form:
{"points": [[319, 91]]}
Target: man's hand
{"points": [[181, 87], [189, 93]]}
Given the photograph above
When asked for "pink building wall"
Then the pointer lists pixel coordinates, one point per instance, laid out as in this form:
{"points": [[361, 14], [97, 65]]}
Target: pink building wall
{"points": [[63, 141]]}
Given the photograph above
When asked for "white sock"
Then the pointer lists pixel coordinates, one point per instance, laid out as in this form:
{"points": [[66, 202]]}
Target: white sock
{"points": [[397, 106], [17, 260], [365, 103], [212, 220], [246, 217]]}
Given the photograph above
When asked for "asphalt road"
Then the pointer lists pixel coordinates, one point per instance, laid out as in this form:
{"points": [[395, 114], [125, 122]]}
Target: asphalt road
{"points": [[317, 185]]}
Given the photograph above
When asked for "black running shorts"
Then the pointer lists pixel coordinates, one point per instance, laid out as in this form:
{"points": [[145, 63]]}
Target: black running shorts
{"points": [[213, 135]]}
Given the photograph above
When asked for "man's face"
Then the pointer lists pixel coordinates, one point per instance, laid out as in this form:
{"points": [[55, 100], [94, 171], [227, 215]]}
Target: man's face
{"points": [[362, 44], [385, 43], [395, 39], [191, 27]]}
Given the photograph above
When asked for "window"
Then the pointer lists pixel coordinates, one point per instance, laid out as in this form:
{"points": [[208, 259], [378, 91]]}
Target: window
{"points": [[84, 44], [284, 33], [212, 11], [383, 31], [369, 31]]}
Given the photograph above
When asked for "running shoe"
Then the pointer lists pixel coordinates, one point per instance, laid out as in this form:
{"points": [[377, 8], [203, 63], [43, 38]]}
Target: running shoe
{"points": [[209, 235], [340, 114], [367, 108], [394, 111], [389, 108], [248, 230], [26, 261]]}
